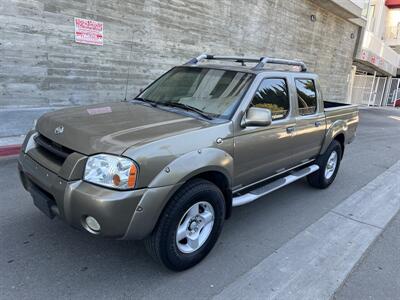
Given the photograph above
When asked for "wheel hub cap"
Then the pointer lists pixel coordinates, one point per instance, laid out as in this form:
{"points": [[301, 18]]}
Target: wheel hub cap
{"points": [[331, 165], [195, 227]]}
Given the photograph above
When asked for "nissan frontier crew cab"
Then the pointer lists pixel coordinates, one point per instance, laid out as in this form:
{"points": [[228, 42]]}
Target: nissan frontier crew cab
{"points": [[169, 165]]}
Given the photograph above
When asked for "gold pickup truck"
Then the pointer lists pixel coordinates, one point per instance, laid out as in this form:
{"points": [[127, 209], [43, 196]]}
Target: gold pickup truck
{"points": [[169, 165]]}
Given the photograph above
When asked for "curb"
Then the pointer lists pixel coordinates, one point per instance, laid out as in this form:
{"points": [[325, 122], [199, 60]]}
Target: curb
{"points": [[11, 145], [9, 150]]}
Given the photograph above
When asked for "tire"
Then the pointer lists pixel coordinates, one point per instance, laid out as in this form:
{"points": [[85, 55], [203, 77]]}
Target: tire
{"points": [[324, 177], [199, 196]]}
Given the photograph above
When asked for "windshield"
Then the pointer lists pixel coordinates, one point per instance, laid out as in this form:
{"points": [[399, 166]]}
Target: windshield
{"points": [[211, 91]]}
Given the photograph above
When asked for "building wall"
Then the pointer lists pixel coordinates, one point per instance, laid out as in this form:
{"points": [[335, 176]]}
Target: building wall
{"points": [[41, 65]]}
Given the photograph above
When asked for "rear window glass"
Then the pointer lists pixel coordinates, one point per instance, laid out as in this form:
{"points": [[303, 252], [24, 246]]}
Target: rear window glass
{"points": [[306, 96]]}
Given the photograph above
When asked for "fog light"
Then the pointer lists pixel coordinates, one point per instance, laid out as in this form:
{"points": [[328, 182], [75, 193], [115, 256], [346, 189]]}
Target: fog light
{"points": [[92, 223]]}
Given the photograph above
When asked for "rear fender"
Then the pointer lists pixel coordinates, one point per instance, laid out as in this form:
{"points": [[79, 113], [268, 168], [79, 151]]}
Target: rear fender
{"points": [[334, 130]]}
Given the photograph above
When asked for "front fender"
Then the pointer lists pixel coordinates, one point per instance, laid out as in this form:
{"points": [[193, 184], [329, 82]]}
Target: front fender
{"points": [[335, 129], [193, 163], [169, 180]]}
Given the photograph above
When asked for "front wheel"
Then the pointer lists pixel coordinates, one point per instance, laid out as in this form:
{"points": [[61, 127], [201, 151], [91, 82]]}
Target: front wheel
{"points": [[189, 226], [328, 163]]}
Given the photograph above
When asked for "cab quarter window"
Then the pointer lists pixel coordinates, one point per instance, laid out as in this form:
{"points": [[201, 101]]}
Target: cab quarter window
{"points": [[273, 95], [306, 96]]}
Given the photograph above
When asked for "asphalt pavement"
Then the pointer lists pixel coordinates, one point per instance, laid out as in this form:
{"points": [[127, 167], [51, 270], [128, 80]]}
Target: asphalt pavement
{"points": [[42, 258]]}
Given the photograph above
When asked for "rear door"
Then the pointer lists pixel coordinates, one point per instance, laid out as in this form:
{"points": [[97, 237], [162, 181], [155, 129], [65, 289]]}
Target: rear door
{"points": [[310, 120]]}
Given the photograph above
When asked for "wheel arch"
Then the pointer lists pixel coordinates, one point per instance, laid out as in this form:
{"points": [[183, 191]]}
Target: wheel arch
{"points": [[212, 164], [223, 183], [341, 139], [337, 131]]}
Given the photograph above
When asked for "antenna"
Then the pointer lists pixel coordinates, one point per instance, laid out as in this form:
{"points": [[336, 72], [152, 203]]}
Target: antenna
{"points": [[129, 68]]}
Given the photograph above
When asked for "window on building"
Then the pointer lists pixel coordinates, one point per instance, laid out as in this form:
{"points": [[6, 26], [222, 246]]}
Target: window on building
{"points": [[371, 18], [365, 7], [306, 96], [273, 95]]}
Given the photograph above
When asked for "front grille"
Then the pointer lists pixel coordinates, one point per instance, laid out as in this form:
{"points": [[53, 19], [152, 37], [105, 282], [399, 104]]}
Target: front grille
{"points": [[58, 151]]}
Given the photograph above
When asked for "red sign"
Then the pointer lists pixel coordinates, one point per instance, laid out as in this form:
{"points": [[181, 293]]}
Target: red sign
{"points": [[373, 60], [364, 55], [88, 32], [392, 3]]}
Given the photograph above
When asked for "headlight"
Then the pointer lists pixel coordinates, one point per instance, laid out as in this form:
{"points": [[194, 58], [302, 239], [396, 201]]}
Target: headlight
{"points": [[111, 171]]}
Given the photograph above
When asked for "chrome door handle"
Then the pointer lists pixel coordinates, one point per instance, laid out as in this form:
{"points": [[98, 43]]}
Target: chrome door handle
{"points": [[290, 129], [317, 124]]}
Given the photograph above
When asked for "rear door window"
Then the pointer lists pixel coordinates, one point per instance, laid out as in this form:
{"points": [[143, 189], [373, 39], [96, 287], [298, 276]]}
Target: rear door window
{"points": [[306, 96]]}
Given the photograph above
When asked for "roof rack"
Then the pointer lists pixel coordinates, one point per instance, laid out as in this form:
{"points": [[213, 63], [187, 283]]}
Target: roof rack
{"points": [[261, 62]]}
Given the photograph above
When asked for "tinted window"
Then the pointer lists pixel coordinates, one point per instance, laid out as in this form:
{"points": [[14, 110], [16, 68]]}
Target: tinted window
{"points": [[273, 94], [306, 96]]}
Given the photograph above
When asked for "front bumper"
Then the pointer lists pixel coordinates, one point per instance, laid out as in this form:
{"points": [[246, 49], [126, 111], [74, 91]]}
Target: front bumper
{"points": [[121, 214]]}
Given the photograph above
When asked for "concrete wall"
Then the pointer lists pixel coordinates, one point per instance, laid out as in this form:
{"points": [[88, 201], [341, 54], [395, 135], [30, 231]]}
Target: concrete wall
{"points": [[41, 65]]}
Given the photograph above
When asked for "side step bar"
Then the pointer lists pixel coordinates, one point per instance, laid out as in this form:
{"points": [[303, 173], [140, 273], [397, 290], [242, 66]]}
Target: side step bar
{"points": [[273, 186]]}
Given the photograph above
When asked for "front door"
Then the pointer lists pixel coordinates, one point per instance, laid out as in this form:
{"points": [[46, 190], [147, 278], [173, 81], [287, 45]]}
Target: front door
{"points": [[262, 151]]}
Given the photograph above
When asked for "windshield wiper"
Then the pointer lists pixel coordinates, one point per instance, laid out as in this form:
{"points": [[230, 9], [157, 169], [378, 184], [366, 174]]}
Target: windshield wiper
{"points": [[188, 107], [151, 102]]}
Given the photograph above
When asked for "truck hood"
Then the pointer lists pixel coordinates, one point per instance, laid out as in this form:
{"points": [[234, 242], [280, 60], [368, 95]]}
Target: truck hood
{"points": [[112, 127]]}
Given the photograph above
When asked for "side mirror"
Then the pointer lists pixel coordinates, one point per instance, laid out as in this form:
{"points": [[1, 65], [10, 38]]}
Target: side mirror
{"points": [[256, 116]]}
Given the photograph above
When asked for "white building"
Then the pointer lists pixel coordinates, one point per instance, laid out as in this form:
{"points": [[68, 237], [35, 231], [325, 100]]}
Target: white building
{"points": [[376, 61]]}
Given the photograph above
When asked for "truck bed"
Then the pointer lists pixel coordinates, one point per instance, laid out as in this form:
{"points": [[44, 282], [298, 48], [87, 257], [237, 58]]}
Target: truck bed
{"points": [[344, 113], [336, 109], [329, 104]]}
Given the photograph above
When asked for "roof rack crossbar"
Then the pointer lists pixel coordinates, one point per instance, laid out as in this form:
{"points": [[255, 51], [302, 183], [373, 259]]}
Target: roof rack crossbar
{"points": [[279, 61], [261, 62]]}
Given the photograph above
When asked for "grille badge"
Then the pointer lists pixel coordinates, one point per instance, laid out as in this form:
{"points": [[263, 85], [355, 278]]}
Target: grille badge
{"points": [[59, 130]]}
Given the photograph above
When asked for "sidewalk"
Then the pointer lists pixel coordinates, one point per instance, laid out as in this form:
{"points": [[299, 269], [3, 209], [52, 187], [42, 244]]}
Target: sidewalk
{"points": [[15, 123], [377, 276]]}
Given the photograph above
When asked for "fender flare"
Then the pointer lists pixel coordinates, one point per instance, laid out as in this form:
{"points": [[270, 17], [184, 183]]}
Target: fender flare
{"points": [[337, 127], [193, 163]]}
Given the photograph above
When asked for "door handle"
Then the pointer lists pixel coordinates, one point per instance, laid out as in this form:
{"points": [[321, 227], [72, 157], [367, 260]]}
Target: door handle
{"points": [[317, 124], [290, 129]]}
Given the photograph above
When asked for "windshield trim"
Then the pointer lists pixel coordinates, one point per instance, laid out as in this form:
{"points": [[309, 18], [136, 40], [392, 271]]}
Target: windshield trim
{"points": [[230, 116]]}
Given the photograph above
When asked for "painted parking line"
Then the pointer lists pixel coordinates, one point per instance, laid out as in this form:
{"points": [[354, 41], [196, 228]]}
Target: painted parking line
{"points": [[315, 263]]}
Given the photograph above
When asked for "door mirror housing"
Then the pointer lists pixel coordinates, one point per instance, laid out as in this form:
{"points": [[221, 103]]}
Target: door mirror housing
{"points": [[256, 116]]}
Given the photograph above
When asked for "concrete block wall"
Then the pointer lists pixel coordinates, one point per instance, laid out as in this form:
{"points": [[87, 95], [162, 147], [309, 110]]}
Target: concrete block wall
{"points": [[41, 65]]}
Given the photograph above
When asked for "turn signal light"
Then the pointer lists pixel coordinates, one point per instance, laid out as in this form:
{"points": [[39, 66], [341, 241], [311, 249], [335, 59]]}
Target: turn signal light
{"points": [[132, 176]]}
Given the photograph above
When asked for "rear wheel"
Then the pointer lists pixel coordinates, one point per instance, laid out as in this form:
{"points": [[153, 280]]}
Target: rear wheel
{"points": [[189, 226], [328, 163]]}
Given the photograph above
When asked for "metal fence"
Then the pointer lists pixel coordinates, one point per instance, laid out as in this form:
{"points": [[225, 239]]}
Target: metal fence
{"points": [[394, 92], [369, 90], [379, 91]]}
